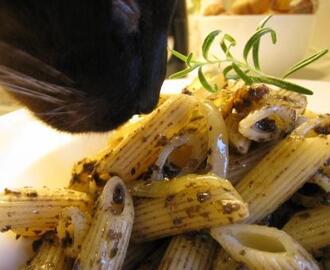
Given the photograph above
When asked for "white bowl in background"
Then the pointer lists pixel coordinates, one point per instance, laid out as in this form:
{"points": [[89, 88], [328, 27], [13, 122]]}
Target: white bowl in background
{"points": [[294, 33]]}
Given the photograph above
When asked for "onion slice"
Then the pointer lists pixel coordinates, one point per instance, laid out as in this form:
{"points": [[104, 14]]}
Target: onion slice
{"points": [[218, 159]]}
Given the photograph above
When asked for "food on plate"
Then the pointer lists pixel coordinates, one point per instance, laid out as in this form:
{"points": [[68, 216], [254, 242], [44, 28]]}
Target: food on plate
{"points": [[106, 242], [260, 247], [231, 158], [311, 228], [32, 211], [189, 252], [50, 255]]}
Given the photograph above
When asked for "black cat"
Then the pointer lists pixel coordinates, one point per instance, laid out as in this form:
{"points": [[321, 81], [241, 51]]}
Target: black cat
{"points": [[84, 65]]}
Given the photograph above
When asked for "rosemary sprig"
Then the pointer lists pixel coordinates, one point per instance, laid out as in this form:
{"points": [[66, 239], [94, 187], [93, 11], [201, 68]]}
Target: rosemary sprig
{"points": [[232, 67]]}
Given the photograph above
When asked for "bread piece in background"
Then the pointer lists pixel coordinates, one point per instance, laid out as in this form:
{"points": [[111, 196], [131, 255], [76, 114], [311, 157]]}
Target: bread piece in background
{"points": [[281, 5], [214, 9], [245, 7], [304, 6]]}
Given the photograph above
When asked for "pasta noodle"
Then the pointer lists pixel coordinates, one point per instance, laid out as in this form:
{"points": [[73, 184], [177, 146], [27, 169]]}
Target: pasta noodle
{"points": [[133, 155], [174, 162], [71, 230], [106, 242], [189, 252], [282, 172], [49, 256], [311, 228], [222, 261], [261, 247], [192, 204], [30, 211]]}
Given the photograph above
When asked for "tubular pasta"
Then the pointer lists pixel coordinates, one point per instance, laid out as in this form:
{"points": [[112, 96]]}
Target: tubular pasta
{"points": [[106, 242], [135, 153], [32, 211], [281, 173], [189, 252], [49, 256], [261, 247], [191, 204], [223, 261], [311, 228], [71, 230]]}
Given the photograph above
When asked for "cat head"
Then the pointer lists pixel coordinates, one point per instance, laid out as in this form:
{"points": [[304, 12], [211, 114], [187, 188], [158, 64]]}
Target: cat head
{"points": [[84, 65]]}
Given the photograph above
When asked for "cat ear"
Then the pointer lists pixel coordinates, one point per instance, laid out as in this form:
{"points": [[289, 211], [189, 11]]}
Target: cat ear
{"points": [[126, 13]]}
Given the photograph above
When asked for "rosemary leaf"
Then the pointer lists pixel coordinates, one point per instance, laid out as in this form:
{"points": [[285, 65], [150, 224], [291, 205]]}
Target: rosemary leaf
{"points": [[247, 79], [263, 23], [208, 43], [256, 38], [305, 62], [204, 81], [183, 73], [227, 70], [179, 55], [282, 84], [255, 55], [224, 47], [189, 58]]}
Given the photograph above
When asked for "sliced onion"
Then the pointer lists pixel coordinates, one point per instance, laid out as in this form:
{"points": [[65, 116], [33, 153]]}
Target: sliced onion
{"points": [[218, 159], [236, 139], [191, 140], [247, 126], [309, 128]]}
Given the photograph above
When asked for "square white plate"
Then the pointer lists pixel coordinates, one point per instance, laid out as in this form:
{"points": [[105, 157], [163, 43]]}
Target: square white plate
{"points": [[32, 154]]}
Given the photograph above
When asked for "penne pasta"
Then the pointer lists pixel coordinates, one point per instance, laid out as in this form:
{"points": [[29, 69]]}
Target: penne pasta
{"points": [[49, 256], [195, 203], [72, 228], [106, 242], [223, 261], [311, 228], [282, 172], [189, 252], [261, 247], [185, 152], [30, 211], [134, 155]]}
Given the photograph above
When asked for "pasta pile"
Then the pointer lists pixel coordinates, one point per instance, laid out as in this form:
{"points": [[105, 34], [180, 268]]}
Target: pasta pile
{"points": [[238, 179]]}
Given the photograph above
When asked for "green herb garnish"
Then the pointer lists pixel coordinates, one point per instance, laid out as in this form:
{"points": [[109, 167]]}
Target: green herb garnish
{"points": [[243, 70]]}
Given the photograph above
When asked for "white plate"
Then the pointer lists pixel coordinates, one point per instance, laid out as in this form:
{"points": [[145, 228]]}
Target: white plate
{"points": [[32, 154]]}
